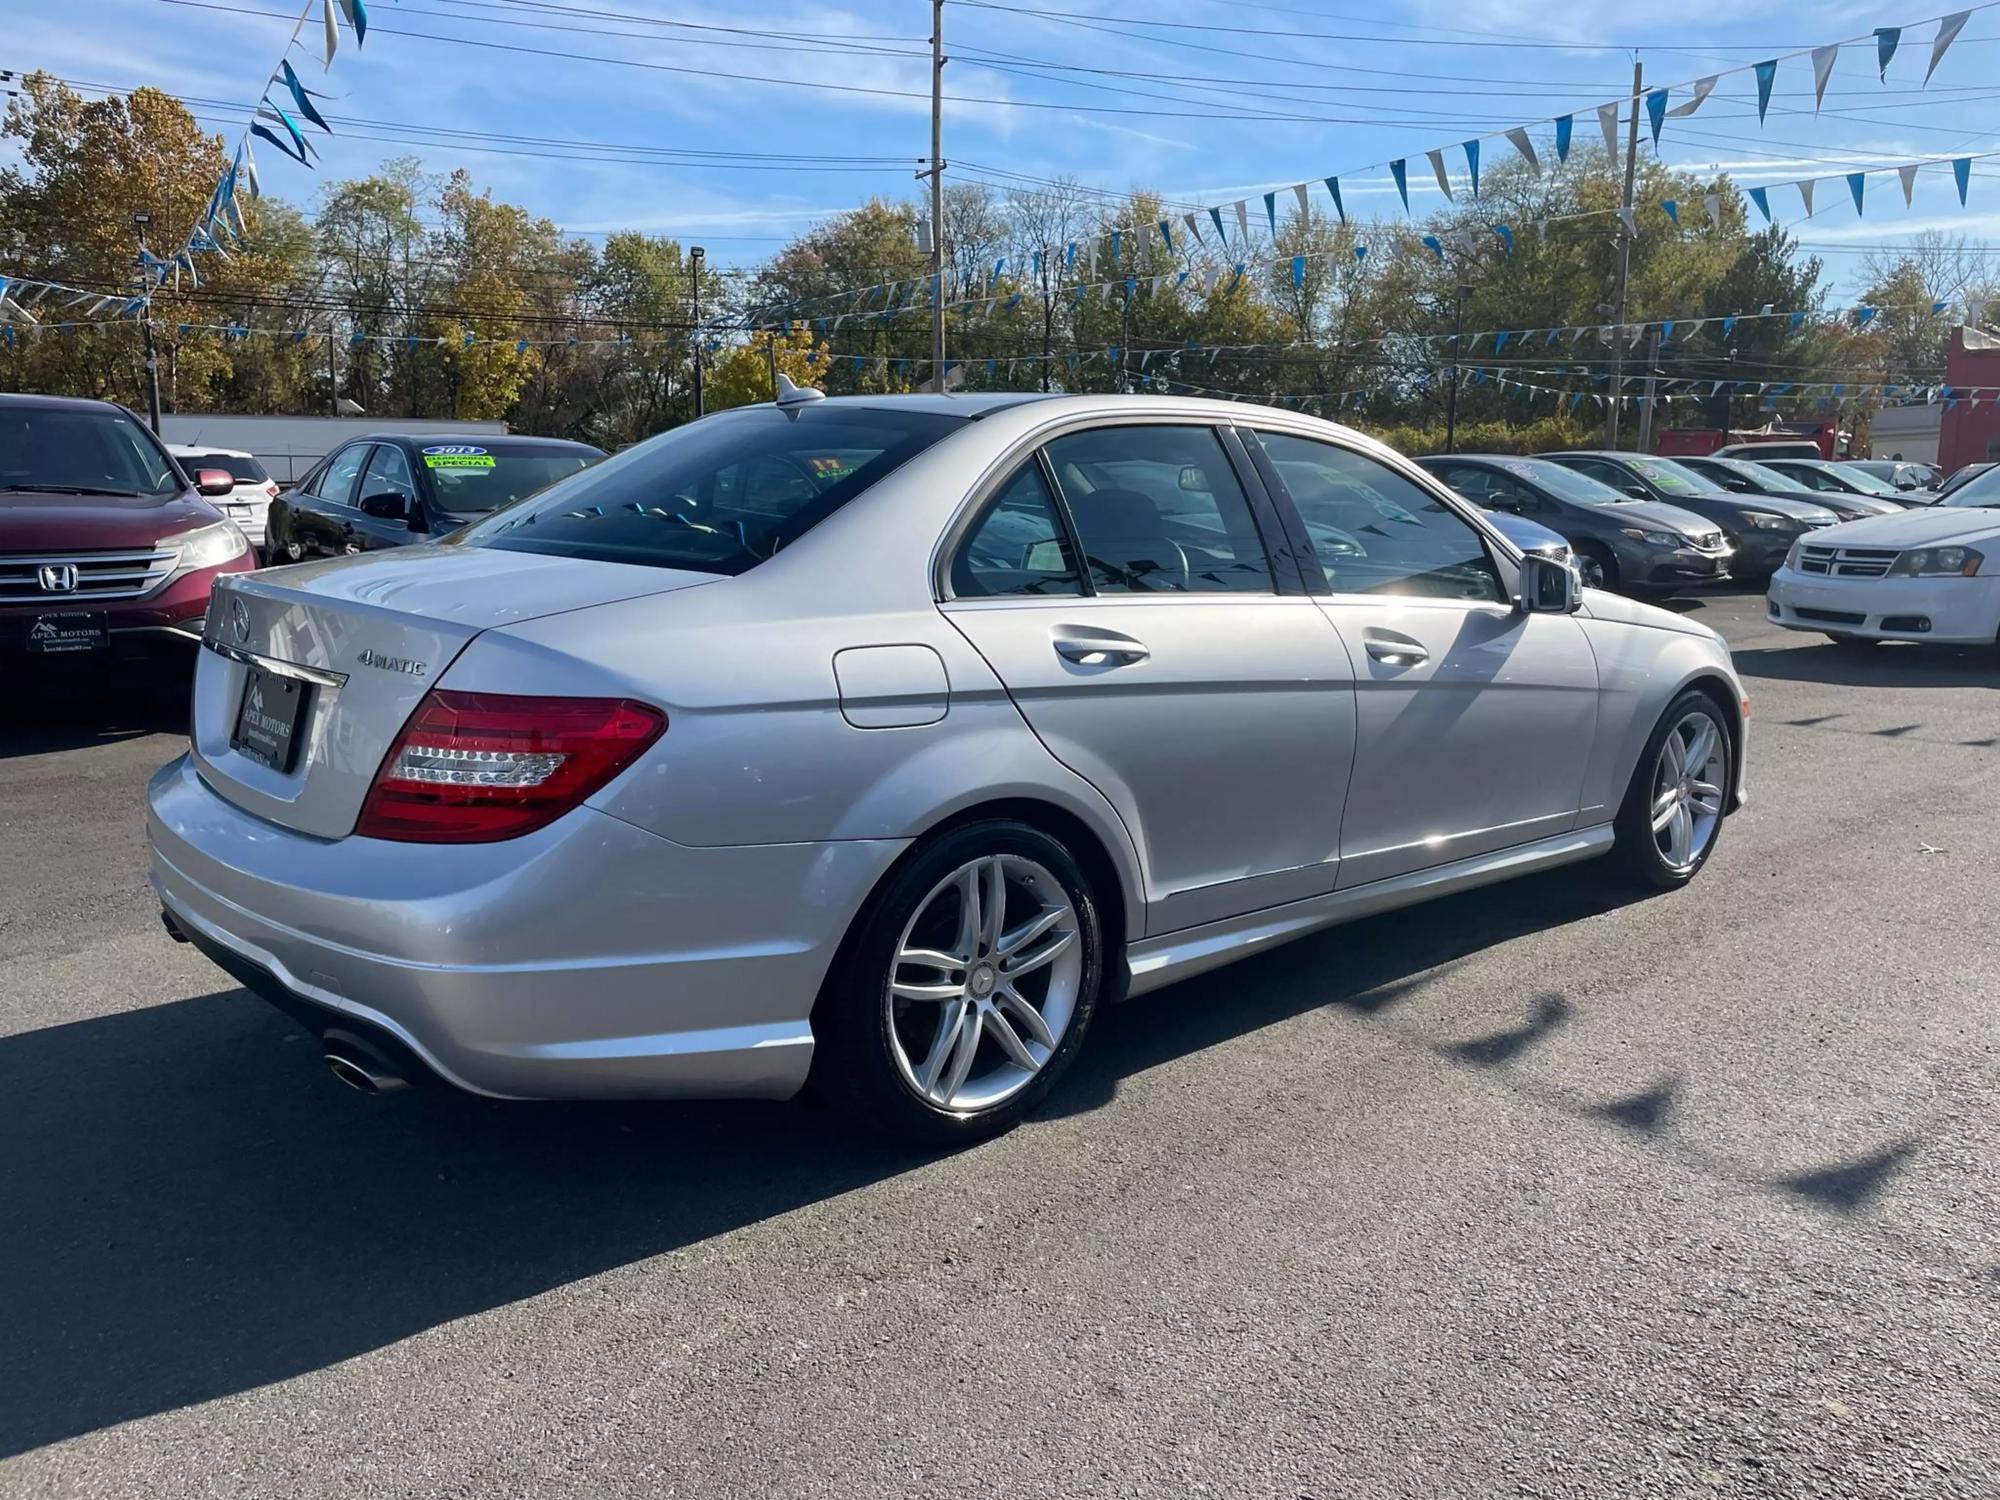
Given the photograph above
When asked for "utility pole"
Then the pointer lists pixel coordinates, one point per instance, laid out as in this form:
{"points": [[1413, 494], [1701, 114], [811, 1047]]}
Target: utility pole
{"points": [[936, 175], [332, 375], [140, 220], [1625, 256], [1652, 382], [1457, 339], [695, 257], [771, 359]]}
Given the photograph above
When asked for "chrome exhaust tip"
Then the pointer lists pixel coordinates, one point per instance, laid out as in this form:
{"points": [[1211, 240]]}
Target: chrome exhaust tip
{"points": [[360, 1067]]}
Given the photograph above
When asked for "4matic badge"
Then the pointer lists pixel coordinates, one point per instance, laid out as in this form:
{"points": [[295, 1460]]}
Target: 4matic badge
{"points": [[382, 662]]}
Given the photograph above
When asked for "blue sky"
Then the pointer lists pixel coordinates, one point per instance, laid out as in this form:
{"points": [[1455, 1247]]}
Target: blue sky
{"points": [[1357, 85]]}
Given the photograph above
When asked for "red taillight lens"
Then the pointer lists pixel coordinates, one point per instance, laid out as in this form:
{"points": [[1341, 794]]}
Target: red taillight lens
{"points": [[473, 767], [271, 488]]}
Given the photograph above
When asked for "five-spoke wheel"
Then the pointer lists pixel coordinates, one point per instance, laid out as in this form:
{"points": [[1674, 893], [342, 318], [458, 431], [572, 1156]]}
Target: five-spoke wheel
{"points": [[1673, 809]]}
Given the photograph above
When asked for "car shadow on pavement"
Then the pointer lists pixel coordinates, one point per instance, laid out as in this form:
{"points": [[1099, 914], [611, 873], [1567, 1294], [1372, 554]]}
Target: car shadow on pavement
{"points": [[45, 710], [1899, 666]]}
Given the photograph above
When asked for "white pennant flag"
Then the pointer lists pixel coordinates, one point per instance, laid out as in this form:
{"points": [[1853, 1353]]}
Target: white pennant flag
{"points": [[1299, 191], [1158, 281], [1909, 176], [1975, 311], [1947, 33], [1713, 203], [1193, 229], [1607, 119], [333, 33], [1437, 166], [1703, 87], [1822, 61], [1242, 221], [1209, 281], [1631, 220], [1519, 136], [1806, 185], [1090, 260]]}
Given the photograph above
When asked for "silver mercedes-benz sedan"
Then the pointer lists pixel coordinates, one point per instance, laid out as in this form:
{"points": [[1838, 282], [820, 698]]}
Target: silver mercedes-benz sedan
{"points": [[878, 742]]}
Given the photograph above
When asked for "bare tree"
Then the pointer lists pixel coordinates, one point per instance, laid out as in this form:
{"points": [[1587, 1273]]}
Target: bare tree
{"points": [[1044, 223]]}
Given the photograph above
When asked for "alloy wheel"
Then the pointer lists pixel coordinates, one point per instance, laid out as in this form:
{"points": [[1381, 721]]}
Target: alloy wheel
{"points": [[984, 983], [1687, 790]]}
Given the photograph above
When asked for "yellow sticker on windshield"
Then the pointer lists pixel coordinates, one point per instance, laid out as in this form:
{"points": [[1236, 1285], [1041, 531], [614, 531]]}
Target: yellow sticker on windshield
{"points": [[457, 457]]}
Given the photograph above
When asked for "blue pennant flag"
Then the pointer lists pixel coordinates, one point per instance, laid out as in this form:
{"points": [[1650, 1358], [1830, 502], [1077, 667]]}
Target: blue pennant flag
{"points": [[1767, 74], [1434, 245], [1271, 212], [1856, 181], [1117, 242], [1298, 270], [300, 97], [1506, 237], [1863, 316], [992, 365], [1762, 198], [1798, 320], [1656, 111], [1500, 340], [1666, 332], [1167, 234], [1215, 216], [1728, 326], [1472, 164], [1886, 38], [1401, 172], [1333, 191], [1564, 124], [1576, 401], [1360, 254], [357, 17], [265, 134], [1961, 169], [1672, 209]]}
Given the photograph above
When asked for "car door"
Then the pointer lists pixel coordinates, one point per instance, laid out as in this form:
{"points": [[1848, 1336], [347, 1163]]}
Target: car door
{"points": [[388, 473], [322, 518], [1474, 720], [1122, 587]]}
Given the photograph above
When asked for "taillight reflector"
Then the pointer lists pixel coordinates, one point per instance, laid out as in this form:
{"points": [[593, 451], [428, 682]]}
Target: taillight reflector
{"points": [[470, 768]]}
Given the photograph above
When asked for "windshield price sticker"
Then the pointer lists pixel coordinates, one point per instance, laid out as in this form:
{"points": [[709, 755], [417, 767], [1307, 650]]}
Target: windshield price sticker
{"points": [[457, 457]]}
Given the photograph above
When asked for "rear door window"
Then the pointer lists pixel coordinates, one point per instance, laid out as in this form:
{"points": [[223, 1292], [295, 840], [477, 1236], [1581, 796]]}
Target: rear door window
{"points": [[1018, 546], [719, 495], [1158, 509], [337, 484]]}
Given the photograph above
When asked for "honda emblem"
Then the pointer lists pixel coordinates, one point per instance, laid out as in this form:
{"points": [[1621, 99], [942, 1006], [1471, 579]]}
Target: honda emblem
{"points": [[57, 578]]}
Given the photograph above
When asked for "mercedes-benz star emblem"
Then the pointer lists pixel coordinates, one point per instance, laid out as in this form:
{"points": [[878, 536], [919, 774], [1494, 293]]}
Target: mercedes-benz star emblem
{"points": [[239, 619]]}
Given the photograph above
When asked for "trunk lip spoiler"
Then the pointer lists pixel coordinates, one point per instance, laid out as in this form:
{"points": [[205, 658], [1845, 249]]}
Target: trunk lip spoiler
{"points": [[317, 675]]}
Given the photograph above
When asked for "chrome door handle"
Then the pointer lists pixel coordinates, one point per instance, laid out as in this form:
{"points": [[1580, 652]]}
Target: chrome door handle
{"points": [[1398, 653], [1099, 650]]}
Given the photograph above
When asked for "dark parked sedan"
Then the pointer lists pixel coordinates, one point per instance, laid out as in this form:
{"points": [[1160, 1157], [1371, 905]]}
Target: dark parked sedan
{"points": [[1741, 477], [392, 489], [1761, 528], [1829, 481], [1620, 543]]}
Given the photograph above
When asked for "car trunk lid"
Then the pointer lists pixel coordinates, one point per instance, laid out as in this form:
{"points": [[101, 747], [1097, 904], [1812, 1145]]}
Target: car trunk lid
{"points": [[345, 649]]}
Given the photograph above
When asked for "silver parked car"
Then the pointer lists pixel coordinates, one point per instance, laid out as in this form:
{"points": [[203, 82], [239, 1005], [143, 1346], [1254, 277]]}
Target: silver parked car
{"points": [[886, 739]]}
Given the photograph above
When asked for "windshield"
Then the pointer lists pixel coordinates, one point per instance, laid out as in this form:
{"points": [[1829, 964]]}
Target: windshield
{"points": [[1760, 479], [241, 467], [1665, 474], [719, 495], [47, 449], [1978, 492], [471, 480], [1860, 479], [1564, 484]]}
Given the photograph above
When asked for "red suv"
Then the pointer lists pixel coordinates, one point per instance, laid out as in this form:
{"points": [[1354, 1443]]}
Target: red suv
{"points": [[104, 542]]}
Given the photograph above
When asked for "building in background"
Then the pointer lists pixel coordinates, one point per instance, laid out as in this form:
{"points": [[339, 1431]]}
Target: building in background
{"points": [[1905, 432], [1971, 429]]}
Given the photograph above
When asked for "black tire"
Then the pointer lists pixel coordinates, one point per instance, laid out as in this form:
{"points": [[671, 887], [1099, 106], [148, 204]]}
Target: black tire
{"points": [[855, 1066], [1590, 555], [1637, 852]]}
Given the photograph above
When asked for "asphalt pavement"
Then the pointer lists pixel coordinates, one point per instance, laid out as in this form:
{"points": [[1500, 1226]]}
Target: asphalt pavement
{"points": [[1543, 1190]]}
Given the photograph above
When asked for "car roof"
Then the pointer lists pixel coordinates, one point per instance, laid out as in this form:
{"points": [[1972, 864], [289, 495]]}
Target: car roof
{"points": [[60, 403], [188, 450], [498, 442]]}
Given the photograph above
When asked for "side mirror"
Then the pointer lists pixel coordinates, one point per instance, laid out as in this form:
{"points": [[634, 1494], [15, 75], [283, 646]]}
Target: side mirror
{"points": [[213, 482], [1548, 586], [386, 507], [1634, 491]]}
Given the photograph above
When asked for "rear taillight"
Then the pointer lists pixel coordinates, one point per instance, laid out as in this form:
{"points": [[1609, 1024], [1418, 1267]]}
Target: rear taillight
{"points": [[271, 488], [473, 767]]}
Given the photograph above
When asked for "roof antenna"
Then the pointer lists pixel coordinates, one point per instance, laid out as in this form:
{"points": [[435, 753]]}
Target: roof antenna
{"points": [[790, 395]]}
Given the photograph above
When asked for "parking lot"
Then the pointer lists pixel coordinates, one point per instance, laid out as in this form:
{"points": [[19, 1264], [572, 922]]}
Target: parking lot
{"points": [[1539, 1190]]}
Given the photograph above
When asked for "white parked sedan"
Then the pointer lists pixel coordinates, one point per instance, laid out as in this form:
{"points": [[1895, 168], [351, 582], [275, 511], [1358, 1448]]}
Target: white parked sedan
{"points": [[1919, 575], [883, 739]]}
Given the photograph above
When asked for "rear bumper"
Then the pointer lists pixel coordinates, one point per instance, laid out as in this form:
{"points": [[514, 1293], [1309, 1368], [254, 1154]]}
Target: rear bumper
{"points": [[1961, 611], [590, 959]]}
